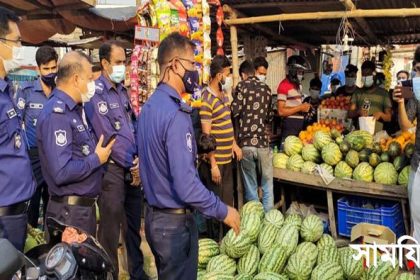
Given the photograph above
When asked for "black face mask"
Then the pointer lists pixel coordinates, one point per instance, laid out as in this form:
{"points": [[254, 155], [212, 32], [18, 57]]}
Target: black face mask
{"points": [[190, 80], [49, 79]]}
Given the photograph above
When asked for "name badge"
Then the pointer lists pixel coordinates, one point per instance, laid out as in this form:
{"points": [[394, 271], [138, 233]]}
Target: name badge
{"points": [[38, 106], [11, 113], [114, 105]]}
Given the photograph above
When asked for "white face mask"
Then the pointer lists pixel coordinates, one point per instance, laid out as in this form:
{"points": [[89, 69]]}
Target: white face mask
{"points": [[300, 78], [16, 61], [350, 82], [262, 78], [90, 93], [227, 86], [314, 93], [118, 73], [401, 80], [367, 81]]}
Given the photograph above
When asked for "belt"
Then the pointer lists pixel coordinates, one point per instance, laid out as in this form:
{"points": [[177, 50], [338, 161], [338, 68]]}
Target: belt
{"points": [[15, 209], [74, 200], [33, 153], [177, 211]]}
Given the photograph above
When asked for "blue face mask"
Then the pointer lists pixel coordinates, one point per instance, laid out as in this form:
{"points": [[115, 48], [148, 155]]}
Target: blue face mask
{"points": [[416, 87], [118, 73]]}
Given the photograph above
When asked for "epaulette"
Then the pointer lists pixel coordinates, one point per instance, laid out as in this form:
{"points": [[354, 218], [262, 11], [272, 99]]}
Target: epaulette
{"points": [[59, 107], [99, 87]]}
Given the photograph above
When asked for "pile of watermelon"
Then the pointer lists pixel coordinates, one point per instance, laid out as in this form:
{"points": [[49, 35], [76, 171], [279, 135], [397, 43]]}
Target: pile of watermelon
{"points": [[273, 247], [354, 156]]}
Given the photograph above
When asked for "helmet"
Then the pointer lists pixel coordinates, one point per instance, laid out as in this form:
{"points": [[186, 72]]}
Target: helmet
{"points": [[295, 63]]}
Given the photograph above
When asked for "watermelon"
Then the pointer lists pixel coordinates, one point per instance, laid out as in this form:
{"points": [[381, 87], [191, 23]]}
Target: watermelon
{"points": [[383, 270], [377, 148], [273, 260], [386, 174], [299, 267], [252, 224], [307, 250], [321, 139], [357, 143], [237, 245], [335, 133], [218, 275], [324, 241], [310, 153], [406, 276], [352, 269], [244, 277], [207, 249], [399, 163], [394, 149], [345, 147], [312, 228], [294, 219], [248, 264], [328, 254], [269, 276], [339, 140], [364, 155], [352, 158], [280, 160], [288, 238], [295, 163], [327, 168], [222, 263], [360, 134], [374, 159], [292, 145], [409, 150], [328, 270], [331, 154], [200, 274], [363, 172], [308, 167], [343, 170], [404, 176], [274, 217], [267, 237], [385, 157], [253, 206]]}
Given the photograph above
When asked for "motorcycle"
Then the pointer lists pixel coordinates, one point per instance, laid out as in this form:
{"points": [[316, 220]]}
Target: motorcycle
{"points": [[71, 253]]}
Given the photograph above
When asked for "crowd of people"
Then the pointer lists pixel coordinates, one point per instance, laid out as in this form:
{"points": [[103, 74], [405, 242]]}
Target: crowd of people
{"points": [[71, 139]]}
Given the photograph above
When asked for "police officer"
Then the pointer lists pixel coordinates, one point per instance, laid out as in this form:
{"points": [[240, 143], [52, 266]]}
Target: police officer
{"points": [[167, 152], [70, 162], [31, 98], [109, 112], [17, 184]]}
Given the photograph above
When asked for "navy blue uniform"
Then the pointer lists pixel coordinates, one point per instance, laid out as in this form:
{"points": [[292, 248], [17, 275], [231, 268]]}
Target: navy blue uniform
{"points": [[30, 100], [69, 163], [109, 113], [167, 151], [17, 183]]}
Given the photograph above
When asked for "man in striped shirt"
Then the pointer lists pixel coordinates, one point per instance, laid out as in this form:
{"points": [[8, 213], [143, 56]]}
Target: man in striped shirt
{"points": [[216, 120]]}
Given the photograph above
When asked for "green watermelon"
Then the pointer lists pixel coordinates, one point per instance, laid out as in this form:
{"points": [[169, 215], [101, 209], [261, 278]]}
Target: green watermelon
{"points": [[308, 167], [328, 254], [335, 133], [267, 237], [292, 145], [406, 276], [299, 267], [288, 238], [328, 168], [399, 163], [345, 147], [364, 155], [274, 217], [218, 275], [404, 176], [331, 154], [273, 260], [252, 224], [363, 172], [253, 206], [394, 149], [207, 249], [269, 276], [339, 140], [280, 160], [222, 263], [409, 150], [385, 157], [244, 277], [357, 143], [383, 270], [352, 158], [310, 153], [295, 163], [343, 170], [324, 241], [200, 274], [248, 264], [312, 228], [237, 245], [360, 134], [374, 159], [353, 269], [386, 174], [328, 270], [321, 139], [307, 250], [294, 219], [377, 148]]}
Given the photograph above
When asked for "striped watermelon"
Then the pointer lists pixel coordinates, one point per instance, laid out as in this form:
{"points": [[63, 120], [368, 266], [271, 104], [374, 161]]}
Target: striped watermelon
{"points": [[288, 238], [270, 276], [200, 274], [328, 254], [363, 172], [331, 154], [353, 270], [248, 264], [406, 276], [222, 263], [294, 219], [253, 206], [321, 139], [273, 260], [244, 277], [295, 163], [236, 245], [252, 224], [310, 153], [298, 267], [207, 249], [307, 250], [274, 217], [328, 168], [328, 271], [267, 237], [222, 248], [218, 275], [312, 228], [308, 167], [325, 240], [383, 270], [292, 145], [279, 160]]}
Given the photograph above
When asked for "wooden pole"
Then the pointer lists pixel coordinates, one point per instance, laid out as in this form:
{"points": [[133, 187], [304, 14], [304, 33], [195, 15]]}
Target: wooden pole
{"points": [[234, 46], [407, 12]]}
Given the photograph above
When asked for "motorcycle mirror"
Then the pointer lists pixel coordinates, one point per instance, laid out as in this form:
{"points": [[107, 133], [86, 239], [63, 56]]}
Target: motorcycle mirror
{"points": [[11, 260]]}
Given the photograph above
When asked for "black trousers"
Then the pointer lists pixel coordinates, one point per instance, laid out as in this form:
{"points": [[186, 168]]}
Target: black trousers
{"points": [[120, 206], [41, 191], [291, 126], [173, 239], [13, 228]]}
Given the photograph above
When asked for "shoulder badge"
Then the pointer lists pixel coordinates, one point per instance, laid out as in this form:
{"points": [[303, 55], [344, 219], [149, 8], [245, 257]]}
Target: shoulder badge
{"points": [[59, 107], [60, 137]]}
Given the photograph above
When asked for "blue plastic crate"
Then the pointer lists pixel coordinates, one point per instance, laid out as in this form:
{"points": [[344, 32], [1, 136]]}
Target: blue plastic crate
{"points": [[386, 213]]}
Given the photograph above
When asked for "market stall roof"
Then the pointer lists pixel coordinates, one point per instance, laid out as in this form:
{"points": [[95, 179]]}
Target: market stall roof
{"points": [[368, 31], [44, 18]]}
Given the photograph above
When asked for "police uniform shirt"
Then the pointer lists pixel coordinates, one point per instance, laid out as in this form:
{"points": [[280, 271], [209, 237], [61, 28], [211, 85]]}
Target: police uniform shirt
{"points": [[16, 181], [109, 113], [67, 149], [167, 152]]}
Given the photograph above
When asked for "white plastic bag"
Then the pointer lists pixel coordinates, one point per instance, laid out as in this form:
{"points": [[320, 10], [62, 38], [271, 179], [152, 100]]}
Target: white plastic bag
{"points": [[367, 124]]}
